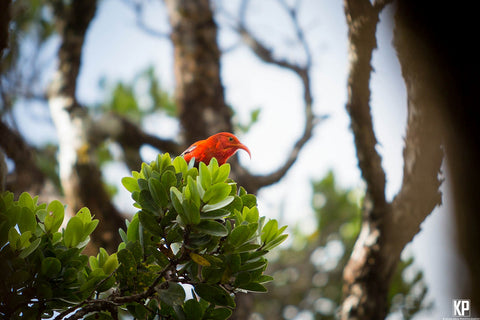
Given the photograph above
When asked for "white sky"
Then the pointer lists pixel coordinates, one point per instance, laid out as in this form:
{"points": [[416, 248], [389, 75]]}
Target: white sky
{"points": [[117, 50]]}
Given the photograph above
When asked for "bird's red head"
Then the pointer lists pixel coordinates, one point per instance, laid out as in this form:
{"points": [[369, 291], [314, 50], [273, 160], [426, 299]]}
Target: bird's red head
{"points": [[220, 146]]}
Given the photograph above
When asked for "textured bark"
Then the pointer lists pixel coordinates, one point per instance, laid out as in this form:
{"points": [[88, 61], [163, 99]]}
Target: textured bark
{"points": [[199, 92], [388, 227], [79, 174], [365, 275]]}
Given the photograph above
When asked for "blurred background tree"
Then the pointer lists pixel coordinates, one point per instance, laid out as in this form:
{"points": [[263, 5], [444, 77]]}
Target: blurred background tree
{"points": [[309, 274], [41, 43]]}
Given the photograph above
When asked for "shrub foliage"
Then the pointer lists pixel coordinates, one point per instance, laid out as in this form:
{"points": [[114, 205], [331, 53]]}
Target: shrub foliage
{"points": [[196, 240]]}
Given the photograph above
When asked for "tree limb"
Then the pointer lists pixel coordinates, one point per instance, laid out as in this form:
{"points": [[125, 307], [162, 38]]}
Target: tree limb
{"points": [[130, 137], [387, 228], [79, 174], [255, 182], [27, 175]]}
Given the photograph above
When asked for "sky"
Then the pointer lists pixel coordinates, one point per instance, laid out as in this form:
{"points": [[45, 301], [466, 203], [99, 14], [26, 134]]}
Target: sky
{"points": [[116, 49]]}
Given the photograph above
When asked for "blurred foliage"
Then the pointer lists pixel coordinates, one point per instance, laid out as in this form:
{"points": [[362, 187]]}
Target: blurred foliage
{"points": [[194, 226], [142, 97], [31, 28], [309, 274], [244, 127]]}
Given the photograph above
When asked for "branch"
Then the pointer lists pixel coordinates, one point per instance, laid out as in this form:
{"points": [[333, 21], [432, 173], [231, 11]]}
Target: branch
{"points": [[387, 228], [130, 137], [27, 175], [138, 8], [113, 301], [362, 19], [254, 182]]}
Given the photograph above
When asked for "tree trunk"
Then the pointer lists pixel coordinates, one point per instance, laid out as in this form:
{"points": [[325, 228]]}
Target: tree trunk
{"points": [[388, 227], [199, 92], [79, 174]]}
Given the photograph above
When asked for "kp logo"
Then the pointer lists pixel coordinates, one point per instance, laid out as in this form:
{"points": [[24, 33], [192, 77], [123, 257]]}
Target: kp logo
{"points": [[461, 307]]}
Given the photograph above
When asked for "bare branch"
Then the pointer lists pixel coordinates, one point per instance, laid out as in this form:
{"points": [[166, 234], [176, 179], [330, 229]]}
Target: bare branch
{"points": [[130, 137], [251, 182], [362, 20], [138, 8]]}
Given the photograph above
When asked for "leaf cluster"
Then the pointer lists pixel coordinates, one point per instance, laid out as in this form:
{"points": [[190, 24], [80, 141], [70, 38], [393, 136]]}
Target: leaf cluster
{"points": [[194, 227], [42, 268]]}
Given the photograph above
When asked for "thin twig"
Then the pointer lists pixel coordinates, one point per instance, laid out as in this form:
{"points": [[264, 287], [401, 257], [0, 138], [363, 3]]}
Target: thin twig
{"points": [[302, 71]]}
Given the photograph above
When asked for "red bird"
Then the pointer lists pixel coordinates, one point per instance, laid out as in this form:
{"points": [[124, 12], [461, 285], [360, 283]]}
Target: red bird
{"points": [[220, 146]]}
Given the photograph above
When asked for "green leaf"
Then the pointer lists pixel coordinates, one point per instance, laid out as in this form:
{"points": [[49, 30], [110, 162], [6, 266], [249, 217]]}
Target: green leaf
{"points": [[169, 179], [205, 177], [239, 235], [93, 262], [193, 310], [13, 237], [55, 216], [177, 199], [219, 314], [26, 201], [216, 214], [24, 240], [214, 294], [264, 278], [26, 220], [131, 184], [174, 295], [180, 165], [132, 230], [51, 267], [213, 228], [163, 161], [269, 231], [85, 215], [217, 193], [275, 242], [110, 264], [251, 215], [158, 192], [255, 265], [221, 174], [254, 287], [201, 191], [191, 192], [219, 205], [249, 200], [150, 223], [56, 237], [192, 213], [73, 232], [30, 249], [89, 227], [247, 247]]}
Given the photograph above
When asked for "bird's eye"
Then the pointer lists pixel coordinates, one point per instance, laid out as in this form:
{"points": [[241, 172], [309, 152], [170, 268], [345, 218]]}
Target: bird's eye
{"points": [[230, 139]]}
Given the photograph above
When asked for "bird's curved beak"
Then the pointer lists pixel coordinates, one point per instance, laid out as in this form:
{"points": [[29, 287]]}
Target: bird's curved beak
{"points": [[244, 147]]}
